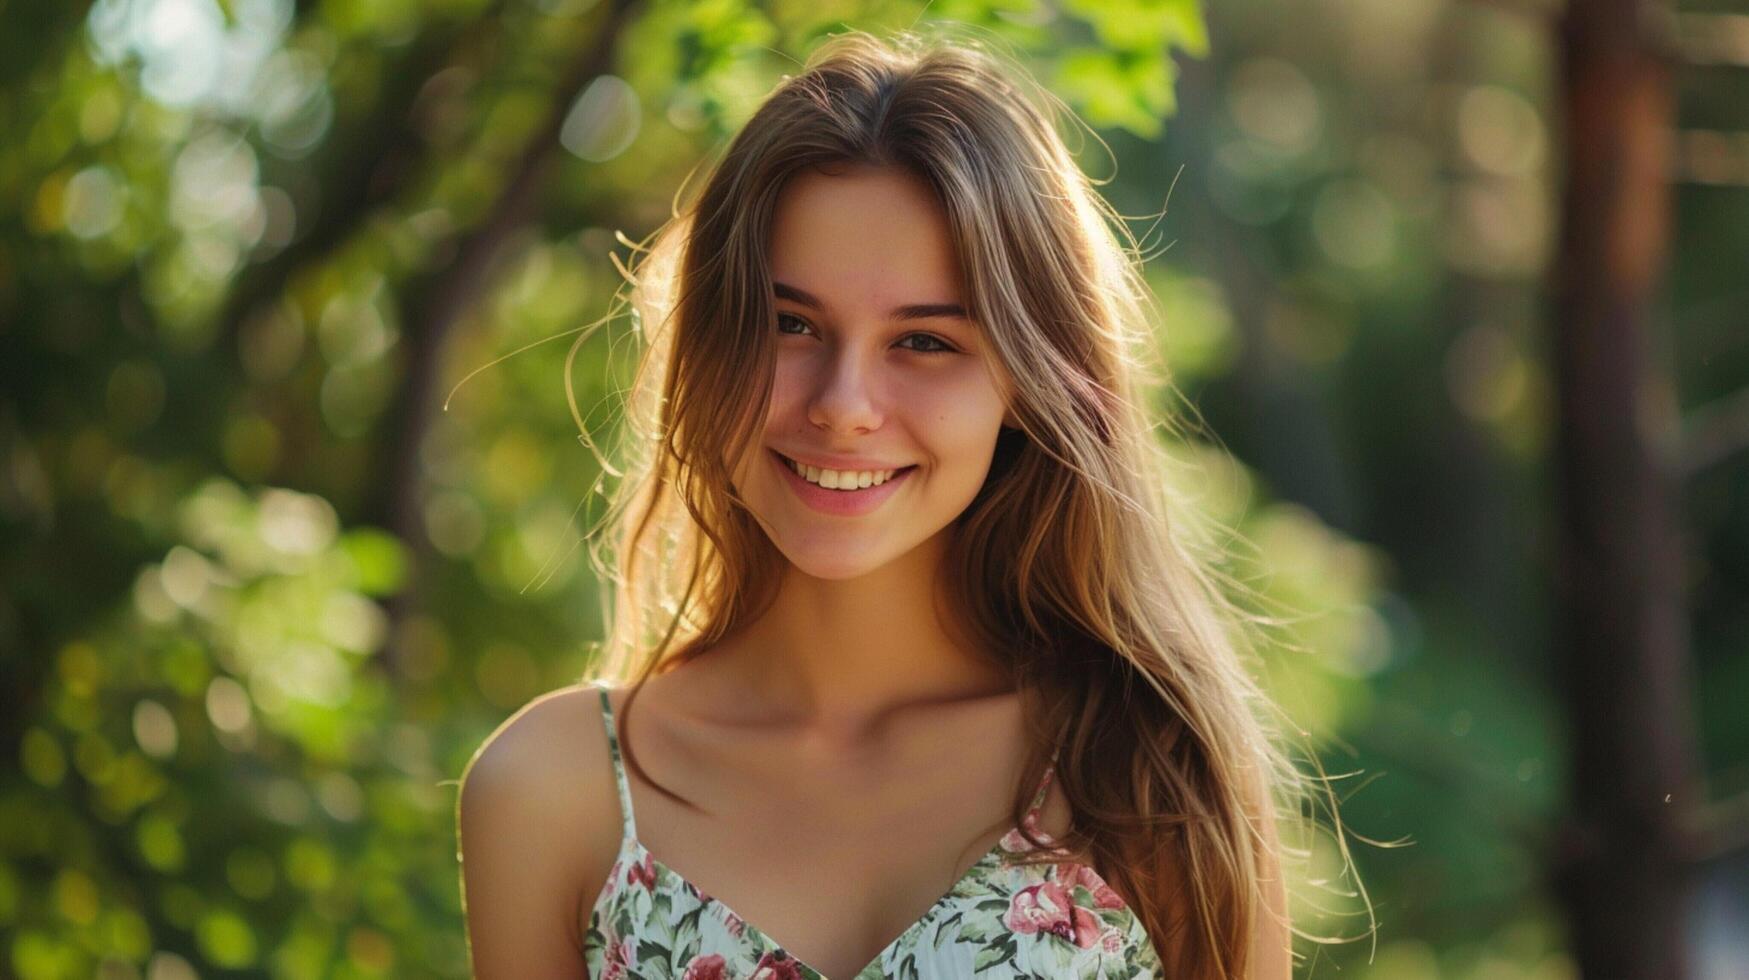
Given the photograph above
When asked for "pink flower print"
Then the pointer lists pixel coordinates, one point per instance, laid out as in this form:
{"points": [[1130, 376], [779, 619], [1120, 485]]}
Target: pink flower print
{"points": [[710, 967], [617, 960], [1072, 874], [775, 966], [1111, 941], [733, 923], [1015, 843], [1085, 929], [643, 872], [1037, 908], [1047, 907]]}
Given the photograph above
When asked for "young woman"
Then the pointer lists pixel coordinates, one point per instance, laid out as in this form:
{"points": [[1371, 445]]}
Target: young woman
{"points": [[931, 679]]}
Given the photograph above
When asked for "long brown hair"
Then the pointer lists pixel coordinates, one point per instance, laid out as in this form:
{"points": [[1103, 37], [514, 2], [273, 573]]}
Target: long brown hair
{"points": [[1111, 613]]}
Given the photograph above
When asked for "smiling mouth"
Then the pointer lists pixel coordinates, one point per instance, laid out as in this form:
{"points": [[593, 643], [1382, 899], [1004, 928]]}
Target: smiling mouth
{"points": [[800, 470]]}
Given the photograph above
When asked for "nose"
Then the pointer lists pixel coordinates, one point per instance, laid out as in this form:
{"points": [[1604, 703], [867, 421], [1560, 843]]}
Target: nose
{"points": [[844, 397]]}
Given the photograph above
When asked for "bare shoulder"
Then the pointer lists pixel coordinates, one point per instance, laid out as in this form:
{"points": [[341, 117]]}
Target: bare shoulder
{"points": [[539, 827]]}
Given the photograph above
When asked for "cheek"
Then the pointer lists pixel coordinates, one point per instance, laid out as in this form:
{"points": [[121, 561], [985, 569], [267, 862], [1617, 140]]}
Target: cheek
{"points": [[941, 409], [789, 386], [964, 390]]}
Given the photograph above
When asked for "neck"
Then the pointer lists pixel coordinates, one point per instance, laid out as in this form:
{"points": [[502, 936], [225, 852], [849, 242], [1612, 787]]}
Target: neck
{"points": [[837, 658]]}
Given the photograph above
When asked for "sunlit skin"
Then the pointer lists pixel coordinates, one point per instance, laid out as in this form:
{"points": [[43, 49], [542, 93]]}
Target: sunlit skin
{"points": [[854, 631]]}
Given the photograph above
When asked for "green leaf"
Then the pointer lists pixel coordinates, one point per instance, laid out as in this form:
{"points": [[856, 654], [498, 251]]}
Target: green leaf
{"points": [[379, 560], [226, 939]]}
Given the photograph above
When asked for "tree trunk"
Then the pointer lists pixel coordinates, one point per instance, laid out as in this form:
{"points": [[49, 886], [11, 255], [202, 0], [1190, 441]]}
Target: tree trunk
{"points": [[1621, 869]]}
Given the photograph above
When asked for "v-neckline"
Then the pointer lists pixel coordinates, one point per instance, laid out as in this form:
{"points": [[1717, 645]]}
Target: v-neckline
{"points": [[632, 843], [629, 841], [773, 945]]}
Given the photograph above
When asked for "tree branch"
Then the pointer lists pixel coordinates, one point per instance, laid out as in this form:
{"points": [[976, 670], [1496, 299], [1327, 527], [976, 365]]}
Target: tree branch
{"points": [[397, 504], [375, 160]]}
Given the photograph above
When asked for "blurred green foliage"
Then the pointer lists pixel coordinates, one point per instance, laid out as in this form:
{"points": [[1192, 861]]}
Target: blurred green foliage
{"points": [[230, 227]]}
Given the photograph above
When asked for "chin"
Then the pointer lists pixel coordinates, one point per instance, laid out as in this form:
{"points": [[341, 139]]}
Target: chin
{"points": [[841, 568]]}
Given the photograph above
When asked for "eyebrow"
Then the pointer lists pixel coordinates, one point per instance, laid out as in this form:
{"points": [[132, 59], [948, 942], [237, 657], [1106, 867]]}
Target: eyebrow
{"points": [[911, 311]]}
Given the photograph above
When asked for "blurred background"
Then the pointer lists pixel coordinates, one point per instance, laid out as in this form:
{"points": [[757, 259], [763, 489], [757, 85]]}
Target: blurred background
{"points": [[1463, 287]]}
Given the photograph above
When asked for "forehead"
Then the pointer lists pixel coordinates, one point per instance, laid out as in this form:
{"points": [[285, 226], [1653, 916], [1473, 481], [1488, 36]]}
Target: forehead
{"points": [[868, 237]]}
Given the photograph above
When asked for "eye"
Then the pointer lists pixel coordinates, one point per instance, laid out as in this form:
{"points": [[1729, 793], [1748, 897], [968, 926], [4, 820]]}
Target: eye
{"points": [[940, 346]]}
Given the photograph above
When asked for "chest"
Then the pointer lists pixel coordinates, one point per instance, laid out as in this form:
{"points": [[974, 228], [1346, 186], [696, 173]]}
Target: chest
{"points": [[836, 864], [998, 921], [653, 918]]}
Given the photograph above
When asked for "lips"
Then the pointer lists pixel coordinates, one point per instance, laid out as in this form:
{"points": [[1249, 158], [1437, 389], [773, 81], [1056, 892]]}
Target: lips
{"points": [[839, 503]]}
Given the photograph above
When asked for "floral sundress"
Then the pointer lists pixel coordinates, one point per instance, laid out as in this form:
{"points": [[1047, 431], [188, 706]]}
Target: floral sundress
{"points": [[997, 922]]}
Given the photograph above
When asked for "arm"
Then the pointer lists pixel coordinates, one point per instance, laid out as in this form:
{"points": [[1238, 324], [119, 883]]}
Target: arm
{"points": [[519, 831]]}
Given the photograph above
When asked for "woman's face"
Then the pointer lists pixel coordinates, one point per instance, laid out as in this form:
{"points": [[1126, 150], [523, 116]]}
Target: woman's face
{"points": [[860, 385]]}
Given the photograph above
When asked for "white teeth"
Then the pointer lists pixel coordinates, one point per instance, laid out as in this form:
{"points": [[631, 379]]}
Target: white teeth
{"points": [[840, 480]]}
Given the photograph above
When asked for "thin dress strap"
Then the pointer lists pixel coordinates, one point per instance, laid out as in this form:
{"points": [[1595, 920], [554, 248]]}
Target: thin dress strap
{"points": [[1044, 783], [619, 773]]}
